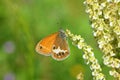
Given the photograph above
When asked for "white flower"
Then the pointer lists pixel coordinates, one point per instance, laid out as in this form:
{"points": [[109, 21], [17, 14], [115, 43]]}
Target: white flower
{"points": [[109, 0], [102, 5], [116, 1]]}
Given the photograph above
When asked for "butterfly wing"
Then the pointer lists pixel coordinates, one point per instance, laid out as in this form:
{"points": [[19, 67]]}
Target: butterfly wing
{"points": [[44, 46], [60, 50]]}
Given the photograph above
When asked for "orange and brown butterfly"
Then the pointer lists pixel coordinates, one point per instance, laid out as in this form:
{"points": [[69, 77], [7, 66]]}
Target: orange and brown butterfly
{"points": [[54, 45]]}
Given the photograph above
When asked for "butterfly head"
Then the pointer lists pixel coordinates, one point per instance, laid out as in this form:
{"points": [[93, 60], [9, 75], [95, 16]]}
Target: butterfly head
{"points": [[62, 34]]}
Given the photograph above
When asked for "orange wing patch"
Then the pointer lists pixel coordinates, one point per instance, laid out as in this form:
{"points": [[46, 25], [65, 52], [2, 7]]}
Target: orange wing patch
{"points": [[45, 45]]}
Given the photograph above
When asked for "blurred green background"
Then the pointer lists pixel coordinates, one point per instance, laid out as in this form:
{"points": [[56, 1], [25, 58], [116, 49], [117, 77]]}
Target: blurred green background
{"points": [[24, 22]]}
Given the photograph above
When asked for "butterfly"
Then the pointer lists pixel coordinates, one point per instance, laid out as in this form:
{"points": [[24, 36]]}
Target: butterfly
{"points": [[54, 45]]}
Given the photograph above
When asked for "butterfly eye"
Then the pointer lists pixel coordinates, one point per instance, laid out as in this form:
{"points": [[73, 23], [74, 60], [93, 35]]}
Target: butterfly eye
{"points": [[40, 47]]}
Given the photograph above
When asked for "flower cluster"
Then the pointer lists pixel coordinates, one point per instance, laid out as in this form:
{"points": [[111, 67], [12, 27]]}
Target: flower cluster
{"points": [[115, 74], [105, 18], [80, 76], [88, 55]]}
